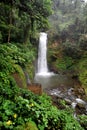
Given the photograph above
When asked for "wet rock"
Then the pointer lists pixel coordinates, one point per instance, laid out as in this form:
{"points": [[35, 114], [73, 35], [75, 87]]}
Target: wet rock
{"points": [[73, 104], [71, 91], [60, 96], [79, 92], [68, 101], [69, 96], [79, 105], [54, 92], [80, 110], [80, 102]]}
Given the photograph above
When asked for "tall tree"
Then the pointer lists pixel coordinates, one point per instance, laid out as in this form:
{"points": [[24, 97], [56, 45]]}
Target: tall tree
{"points": [[30, 14], [37, 12]]}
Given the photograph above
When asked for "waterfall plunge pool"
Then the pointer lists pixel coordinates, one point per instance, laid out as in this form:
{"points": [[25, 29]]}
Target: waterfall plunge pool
{"points": [[51, 80], [43, 76]]}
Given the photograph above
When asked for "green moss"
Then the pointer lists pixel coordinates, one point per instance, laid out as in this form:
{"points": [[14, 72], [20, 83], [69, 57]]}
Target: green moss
{"points": [[28, 126], [82, 66], [64, 63], [19, 75], [31, 126], [83, 79], [30, 70]]}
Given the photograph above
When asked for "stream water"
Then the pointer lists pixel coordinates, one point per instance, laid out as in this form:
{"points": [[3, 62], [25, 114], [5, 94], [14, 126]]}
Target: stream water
{"points": [[59, 87]]}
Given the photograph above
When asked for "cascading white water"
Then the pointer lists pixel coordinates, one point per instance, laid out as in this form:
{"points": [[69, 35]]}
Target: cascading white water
{"points": [[42, 54], [42, 68]]}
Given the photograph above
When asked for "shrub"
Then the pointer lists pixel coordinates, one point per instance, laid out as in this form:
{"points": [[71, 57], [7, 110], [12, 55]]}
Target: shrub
{"points": [[82, 69], [64, 63], [19, 108], [83, 121], [30, 126]]}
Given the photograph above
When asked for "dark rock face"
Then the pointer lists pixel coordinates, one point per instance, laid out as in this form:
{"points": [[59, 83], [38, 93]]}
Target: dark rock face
{"points": [[35, 88], [80, 92], [20, 80]]}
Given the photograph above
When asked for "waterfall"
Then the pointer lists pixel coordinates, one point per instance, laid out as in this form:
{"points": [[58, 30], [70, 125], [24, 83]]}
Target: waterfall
{"points": [[42, 54], [42, 68]]}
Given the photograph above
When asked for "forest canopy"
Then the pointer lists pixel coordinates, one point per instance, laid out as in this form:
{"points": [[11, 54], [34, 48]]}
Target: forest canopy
{"points": [[19, 19]]}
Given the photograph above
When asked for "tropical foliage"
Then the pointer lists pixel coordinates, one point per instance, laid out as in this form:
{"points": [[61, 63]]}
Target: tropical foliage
{"points": [[68, 38], [20, 22], [25, 110]]}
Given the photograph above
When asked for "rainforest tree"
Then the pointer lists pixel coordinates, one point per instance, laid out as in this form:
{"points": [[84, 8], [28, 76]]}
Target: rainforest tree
{"points": [[69, 38], [19, 19]]}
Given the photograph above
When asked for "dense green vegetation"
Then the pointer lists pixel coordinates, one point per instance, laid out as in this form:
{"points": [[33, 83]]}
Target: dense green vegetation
{"points": [[24, 110], [68, 36], [19, 108], [20, 22]]}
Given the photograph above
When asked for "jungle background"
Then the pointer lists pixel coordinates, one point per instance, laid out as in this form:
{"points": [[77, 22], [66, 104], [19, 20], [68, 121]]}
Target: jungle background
{"points": [[65, 22]]}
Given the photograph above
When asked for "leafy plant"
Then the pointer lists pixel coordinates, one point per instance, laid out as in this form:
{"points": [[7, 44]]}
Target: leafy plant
{"points": [[83, 121], [20, 108]]}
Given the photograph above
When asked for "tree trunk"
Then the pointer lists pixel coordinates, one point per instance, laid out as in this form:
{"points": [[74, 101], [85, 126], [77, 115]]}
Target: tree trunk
{"points": [[28, 31], [10, 23], [27, 34]]}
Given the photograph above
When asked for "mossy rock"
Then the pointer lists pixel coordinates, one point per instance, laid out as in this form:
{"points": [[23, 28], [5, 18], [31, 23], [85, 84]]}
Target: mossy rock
{"points": [[30, 126], [30, 70], [82, 66], [19, 77]]}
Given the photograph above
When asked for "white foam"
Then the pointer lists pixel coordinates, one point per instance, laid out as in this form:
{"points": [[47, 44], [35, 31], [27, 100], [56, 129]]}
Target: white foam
{"points": [[45, 74]]}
